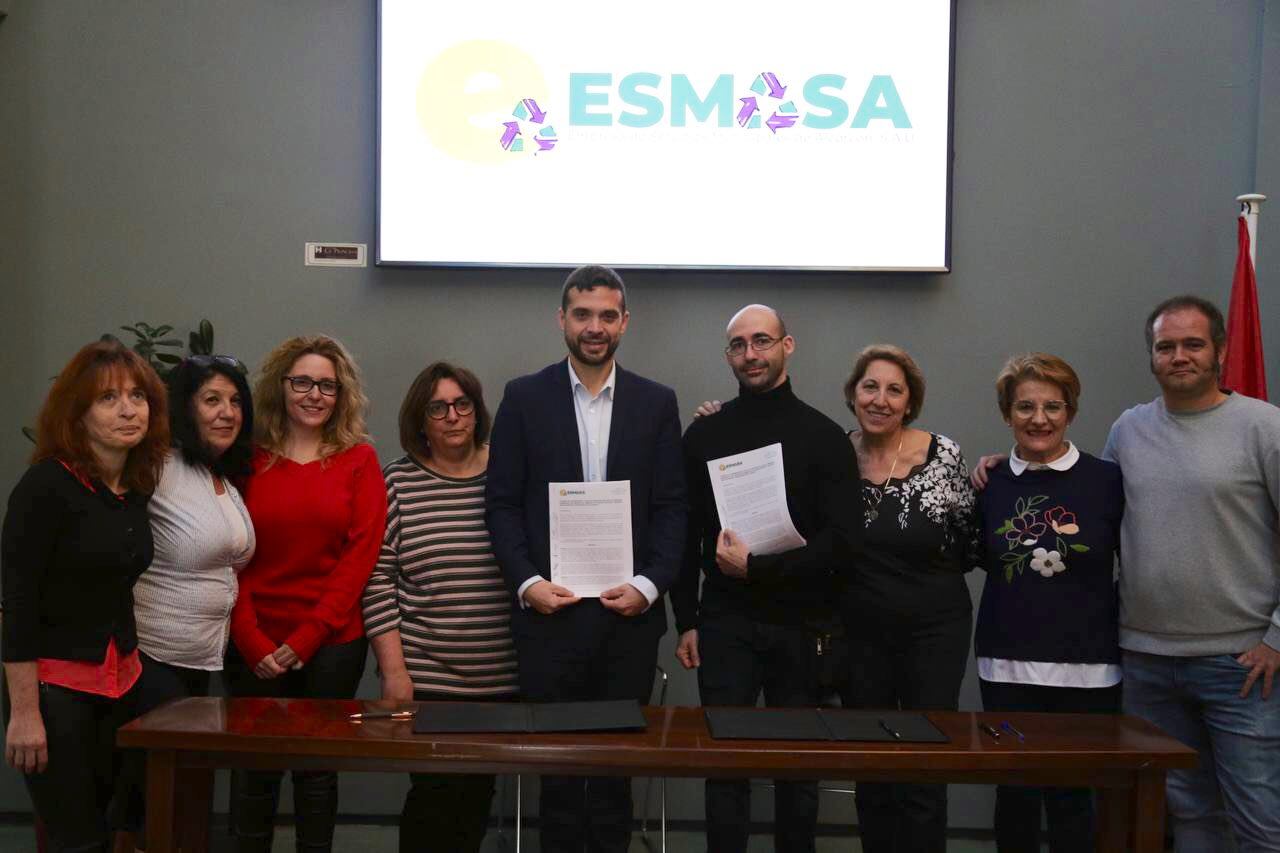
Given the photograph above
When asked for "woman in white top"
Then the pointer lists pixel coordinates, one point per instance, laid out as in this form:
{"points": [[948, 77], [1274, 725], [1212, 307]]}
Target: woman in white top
{"points": [[203, 535]]}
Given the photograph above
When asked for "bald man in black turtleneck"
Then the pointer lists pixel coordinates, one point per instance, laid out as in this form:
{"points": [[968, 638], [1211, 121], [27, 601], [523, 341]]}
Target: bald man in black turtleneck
{"points": [[765, 622]]}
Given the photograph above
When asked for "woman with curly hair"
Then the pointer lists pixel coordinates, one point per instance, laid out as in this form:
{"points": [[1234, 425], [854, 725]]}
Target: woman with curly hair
{"points": [[75, 539], [318, 504]]}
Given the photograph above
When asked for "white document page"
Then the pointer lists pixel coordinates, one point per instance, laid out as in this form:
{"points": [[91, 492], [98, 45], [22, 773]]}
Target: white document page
{"points": [[751, 497], [591, 536]]}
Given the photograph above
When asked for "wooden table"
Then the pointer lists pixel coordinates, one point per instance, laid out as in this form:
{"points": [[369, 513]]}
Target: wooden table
{"points": [[1126, 758]]}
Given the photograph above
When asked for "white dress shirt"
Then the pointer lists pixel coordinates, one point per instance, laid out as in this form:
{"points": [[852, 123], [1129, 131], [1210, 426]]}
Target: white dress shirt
{"points": [[1048, 673], [594, 415]]}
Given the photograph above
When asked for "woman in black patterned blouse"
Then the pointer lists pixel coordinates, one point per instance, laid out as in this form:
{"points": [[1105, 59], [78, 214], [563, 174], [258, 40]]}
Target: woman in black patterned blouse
{"points": [[907, 609], [436, 609]]}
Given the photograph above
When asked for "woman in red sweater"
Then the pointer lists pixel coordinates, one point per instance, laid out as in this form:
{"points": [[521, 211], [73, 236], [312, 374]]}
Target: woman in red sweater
{"points": [[318, 504]]}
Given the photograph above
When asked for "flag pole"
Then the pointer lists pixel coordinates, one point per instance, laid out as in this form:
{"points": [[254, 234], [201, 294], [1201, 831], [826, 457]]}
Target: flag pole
{"points": [[1250, 205]]}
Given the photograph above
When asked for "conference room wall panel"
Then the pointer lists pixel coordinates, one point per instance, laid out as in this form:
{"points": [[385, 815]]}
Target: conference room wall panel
{"points": [[166, 162]]}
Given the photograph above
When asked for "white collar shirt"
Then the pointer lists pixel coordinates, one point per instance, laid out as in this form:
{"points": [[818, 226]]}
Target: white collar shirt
{"points": [[595, 418], [1063, 463]]}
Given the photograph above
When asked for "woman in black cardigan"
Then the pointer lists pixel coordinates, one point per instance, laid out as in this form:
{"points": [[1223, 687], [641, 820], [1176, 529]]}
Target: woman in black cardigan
{"points": [[75, 538]]}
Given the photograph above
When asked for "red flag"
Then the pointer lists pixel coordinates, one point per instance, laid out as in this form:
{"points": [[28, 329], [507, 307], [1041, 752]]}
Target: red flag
{"points": [[1244, 370]]}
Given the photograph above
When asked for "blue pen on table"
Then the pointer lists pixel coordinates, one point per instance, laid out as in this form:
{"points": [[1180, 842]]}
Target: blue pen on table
{"points": [[891, 730], [380, 715], [1012, 729]]}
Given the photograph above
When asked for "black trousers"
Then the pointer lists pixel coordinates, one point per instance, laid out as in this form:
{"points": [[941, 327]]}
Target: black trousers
{"points": [[159, 683], [1069, 811], [81, 797], [332, 673], [583, 653], [909, 667], [446, 812], [740, 659]]}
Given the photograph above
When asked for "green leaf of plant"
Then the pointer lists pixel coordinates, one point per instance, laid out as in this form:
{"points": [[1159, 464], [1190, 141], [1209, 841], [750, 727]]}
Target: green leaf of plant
{"points": [[168, 342], [163, 330], [1080, 549], [169, 358], [30, 434], [133, 329], [206, 336]]}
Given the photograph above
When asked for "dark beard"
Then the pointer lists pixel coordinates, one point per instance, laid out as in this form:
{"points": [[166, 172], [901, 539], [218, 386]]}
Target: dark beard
{"points": [[575, 347]]}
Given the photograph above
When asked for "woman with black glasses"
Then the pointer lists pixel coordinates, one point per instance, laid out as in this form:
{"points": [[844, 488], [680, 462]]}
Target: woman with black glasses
{"points": [[319, 508], [436, 609]]}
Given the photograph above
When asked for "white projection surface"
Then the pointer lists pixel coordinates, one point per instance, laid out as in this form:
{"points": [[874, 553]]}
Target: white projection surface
{"points": [[803, 134]]}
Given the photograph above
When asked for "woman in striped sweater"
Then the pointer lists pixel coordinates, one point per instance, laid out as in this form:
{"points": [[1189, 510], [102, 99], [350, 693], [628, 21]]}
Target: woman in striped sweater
{"points": [[436, 610]]}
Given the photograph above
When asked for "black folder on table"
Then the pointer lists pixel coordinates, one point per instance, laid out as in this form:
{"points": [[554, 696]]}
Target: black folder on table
{"points": [[821, 724], [461, 717]]}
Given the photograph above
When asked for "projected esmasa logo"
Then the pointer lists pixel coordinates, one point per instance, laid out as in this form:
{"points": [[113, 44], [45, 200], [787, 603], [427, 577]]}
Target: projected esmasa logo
{"points": [[592, 96]]}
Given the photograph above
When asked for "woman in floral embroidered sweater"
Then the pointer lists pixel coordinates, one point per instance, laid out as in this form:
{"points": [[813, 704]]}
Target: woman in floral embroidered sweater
{"points": [[906, 608], [1046, 638]]}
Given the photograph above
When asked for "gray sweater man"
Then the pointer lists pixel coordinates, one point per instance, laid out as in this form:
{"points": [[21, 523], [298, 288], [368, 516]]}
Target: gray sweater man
{"points": [[1200, 581]]}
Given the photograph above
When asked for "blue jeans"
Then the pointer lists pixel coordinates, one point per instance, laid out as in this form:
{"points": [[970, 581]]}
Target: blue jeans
{"points": [[1235, 792]]}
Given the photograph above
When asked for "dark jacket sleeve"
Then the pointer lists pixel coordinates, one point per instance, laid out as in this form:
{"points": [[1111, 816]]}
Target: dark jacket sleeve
{"points": [[834, 545], [505, 491], [684, 594], [26, 548], [667, 502]]}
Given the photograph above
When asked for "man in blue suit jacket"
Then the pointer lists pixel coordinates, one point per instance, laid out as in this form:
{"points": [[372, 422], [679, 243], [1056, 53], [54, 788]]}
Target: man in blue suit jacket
{"points": [[587, 419]]}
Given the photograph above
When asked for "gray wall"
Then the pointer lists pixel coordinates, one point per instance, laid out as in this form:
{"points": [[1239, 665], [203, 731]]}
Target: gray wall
{"points": [[166, 161]]}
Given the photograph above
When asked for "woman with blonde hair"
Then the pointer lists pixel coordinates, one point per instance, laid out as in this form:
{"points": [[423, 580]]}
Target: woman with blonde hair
{"points": [[318, 504], [75, 540]]}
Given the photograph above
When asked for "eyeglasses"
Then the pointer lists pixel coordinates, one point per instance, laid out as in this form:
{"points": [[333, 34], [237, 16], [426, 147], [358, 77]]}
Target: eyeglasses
{"points": [[1026, 410], [760, 343], [304, 384], [210, 360], [438, 410]]}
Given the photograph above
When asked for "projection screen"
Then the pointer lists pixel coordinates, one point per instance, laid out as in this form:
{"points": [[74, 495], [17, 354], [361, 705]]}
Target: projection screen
{"points": [[696, 134]]}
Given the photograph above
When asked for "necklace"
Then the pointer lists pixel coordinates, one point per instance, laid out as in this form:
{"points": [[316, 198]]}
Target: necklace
{"points": [[873, 511]]}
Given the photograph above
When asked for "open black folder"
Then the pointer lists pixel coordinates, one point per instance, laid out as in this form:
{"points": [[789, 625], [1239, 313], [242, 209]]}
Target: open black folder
{"points": [[822, 724], [460, 717]]}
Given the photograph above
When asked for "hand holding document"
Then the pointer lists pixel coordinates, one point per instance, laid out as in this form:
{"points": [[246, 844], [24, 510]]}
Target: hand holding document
{"points": [[591, 536], [751, 498]]}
